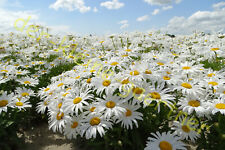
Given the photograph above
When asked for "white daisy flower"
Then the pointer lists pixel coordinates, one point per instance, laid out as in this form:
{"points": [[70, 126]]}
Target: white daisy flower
{"points": [[186, 128], [164, 141], [94, 124], [57, 119], [110, 106], [158, 93], [5, 101], [21, 103], [76, 100], [73, 127], [24, 92], [28, 81], [192, 103], [130, 116], [218, 105]]}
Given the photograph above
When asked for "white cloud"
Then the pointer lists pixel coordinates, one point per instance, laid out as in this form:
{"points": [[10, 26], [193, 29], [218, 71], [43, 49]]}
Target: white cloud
{"points": [[114, 4], [124, 24], [71, 5], [177, 1], [158, 2], [161, 2], [156, 11], [19, 21], [8, 19], [167, 7], [207, 21], [219, 5], [142, 18], [95, 9]]}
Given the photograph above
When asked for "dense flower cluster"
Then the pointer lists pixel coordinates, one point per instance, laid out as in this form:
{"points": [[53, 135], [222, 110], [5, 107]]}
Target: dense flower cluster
{"points": [[114, 78]]}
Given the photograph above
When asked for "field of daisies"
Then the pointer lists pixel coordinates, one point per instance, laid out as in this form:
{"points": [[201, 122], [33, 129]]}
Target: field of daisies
{"points": [[139, 91]]}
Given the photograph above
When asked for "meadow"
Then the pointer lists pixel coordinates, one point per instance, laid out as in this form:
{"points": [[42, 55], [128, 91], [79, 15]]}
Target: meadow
{"points": [[139, 91]]}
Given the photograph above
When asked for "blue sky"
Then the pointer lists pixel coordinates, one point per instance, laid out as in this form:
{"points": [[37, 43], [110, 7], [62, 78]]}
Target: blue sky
{"points": [[173, 16]]}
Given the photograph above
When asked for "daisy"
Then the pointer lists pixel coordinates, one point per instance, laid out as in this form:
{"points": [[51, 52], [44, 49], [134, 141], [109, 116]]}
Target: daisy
{"points": [[104, 83], [57, 119], [42, 106], [188, 68], [188, 86], [76, 100], [28, 81], [130, 116], [158, 93], [186, 128], [192, 103], [164, 141], [21, 103], [24, 92], [73, 127], [5, 101], [218, 105], [110, 106], [94, 124]]}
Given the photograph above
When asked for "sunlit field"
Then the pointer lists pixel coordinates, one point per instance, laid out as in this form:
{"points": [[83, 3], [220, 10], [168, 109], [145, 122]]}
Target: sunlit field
{"points": [[127, 91], [131, 90]]}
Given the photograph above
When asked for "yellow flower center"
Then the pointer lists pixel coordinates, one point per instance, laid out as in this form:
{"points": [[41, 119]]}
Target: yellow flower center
{"points": [[45, 103], [59, 116], [46, 89], [110, 104], [214, 49], [148, 71], [92, 71], [186, 85], [24, 94], [128, 113], [4, 70], [155, 95], [213, 83], [26, 82], [211, 74], [194, 103], [168, 72], [65, 94], [106, 82], [166, 78], [3, 103], [60, 84], [128, 50], [59, 105], [135, 73], [137, 90], [95, 121], [74, 125], [77, 100], [19, 103], [164, 145], [220, 106], [89, 80], [124, 55], [223, 92], [92, 109], [114, 63], [186, 68], [125, 81], [160, 63], [185, 129]]}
